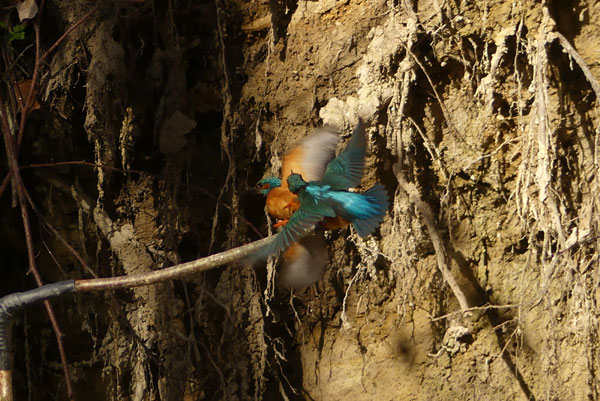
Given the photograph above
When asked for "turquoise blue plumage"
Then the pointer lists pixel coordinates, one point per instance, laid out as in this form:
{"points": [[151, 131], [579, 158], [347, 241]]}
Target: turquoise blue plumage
{"points": [[346, 170], [329, 197]]}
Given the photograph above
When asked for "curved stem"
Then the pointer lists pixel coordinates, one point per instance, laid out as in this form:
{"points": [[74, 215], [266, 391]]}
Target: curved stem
{"points": [[173, 272]]}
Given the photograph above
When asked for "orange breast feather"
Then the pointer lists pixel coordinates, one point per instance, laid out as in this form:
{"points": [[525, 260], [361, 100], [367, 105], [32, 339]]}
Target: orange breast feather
{"points": [[281, 203]]}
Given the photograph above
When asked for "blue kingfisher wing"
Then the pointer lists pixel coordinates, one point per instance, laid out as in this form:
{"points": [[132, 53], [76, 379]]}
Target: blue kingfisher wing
{"points": [[346, 170], [299, 225]]}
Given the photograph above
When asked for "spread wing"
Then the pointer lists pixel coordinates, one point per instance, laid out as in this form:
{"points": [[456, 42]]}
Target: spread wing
{"points": [[299, 226], [346, 170], [305, 261], [310, 156]]}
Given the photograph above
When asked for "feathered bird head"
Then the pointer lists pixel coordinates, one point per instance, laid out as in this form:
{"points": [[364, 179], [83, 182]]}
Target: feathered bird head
{"points": [[267, 184], [295, 182]]}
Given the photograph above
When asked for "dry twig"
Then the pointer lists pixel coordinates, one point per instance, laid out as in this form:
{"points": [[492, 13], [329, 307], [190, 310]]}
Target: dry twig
{"points": [[173, 272]]}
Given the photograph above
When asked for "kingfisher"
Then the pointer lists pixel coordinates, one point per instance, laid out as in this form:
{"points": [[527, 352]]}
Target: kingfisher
{"points": [[327, 201], [305, 260], [309, 157], [329, 198]]}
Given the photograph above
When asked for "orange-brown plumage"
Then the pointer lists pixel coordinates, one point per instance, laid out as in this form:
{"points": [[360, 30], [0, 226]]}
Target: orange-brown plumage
{"points": [[292, 162], [322, 184], [305, 260], [333, 223], [309, 158], [281, 203]]}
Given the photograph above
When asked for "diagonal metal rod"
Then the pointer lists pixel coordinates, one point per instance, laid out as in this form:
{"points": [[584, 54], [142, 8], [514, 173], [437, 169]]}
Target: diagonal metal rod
{"points": [[9, 306]]}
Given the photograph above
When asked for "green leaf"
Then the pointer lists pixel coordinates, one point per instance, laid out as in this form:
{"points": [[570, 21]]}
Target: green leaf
{"points": [[17, 33]]}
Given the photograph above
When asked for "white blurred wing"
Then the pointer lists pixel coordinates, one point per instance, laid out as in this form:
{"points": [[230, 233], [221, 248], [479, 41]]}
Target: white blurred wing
{"points": [[305, 261], [310, 156]]}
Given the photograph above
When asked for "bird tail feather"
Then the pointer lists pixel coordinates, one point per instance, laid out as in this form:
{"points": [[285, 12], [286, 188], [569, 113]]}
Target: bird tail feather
{"points": [[378, 200]]}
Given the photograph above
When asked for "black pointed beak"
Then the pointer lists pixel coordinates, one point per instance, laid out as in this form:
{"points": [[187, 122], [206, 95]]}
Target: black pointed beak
{"points": [[252, 191]]}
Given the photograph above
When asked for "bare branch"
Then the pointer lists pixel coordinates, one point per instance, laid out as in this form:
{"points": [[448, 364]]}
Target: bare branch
{"points": [[173, 272], [11, 152]]}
